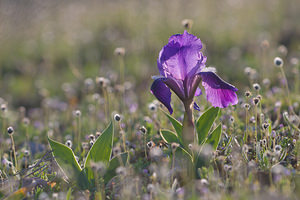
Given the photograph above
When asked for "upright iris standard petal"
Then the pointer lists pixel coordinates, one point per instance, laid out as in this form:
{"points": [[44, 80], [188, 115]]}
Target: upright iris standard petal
{"points": [[181, 56], [218, 92], [162, 93]]}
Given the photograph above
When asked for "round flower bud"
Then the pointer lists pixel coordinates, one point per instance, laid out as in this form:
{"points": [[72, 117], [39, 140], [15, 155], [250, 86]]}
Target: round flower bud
{"points": [[10, 130], [278, 62], [117, 117], [143, 129]]}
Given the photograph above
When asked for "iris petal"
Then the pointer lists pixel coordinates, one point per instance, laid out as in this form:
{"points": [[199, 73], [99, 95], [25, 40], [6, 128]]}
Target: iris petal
{"points": [[218, 92], [162, 93], [181, 56]]}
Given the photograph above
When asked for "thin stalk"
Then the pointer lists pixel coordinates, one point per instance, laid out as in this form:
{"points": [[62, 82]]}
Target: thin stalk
{"points": [[145, 146], [246, 132], [173, 164], [78, 125], [123, 136], [14, 150], [288, 92]]}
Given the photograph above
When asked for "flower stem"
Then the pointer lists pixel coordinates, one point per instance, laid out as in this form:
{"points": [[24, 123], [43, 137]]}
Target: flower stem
{"points": [[188, 124]]}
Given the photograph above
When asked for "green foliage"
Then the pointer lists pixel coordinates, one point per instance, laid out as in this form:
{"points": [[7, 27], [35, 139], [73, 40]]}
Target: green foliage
{"points": [[65, 158], [102, 148], [176, 124], [205, 122], [214, 138], [114, 164], [169, 136], [99, 152]]}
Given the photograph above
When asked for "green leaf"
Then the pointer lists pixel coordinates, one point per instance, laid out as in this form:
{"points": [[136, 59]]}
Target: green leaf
{"points": [[113, 165], [214, 138], [205, 122], [102, 148], [176, 125], [169, 136], [65, 158]]}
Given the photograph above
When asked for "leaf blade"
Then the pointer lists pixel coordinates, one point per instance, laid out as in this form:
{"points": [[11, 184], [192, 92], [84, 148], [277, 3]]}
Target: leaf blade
{"points": [[214, 138], [205, 122], [65, 158], [169, 136], [102, 148], [176, 125]]}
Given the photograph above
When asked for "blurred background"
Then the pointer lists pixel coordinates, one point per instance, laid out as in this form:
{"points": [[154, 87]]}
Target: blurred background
{"points": [[45, 45]]}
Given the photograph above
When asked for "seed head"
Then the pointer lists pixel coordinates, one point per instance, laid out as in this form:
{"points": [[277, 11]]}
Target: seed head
{"points": [[187, 23], [247, 106], [117, 117], [265, 44], [92, 137], [26, 153], [248, 94], [266, 82], [256, 101], [3, 107], [98, 133], [91, 143], [278, 148], [174, 146], [69, 143], [152, 107], [26, 121], [227, 168], [265, 126], [231, 119], [278, 62], [77, 113], [282, 50], [10, 130], [259, 97], [102, 82], [245, 148], [256, 86], [150, 144], [120, 51]]}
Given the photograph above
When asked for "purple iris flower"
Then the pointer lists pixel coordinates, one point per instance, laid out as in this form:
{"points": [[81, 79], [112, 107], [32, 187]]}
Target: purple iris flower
{"points": [[181, 65]]}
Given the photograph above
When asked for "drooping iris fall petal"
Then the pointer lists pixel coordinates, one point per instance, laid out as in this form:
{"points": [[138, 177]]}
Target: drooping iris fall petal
{"points": [[162, 93], [218, 92]]}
